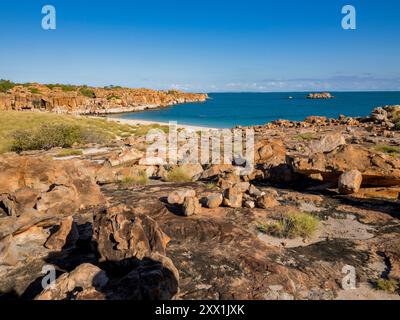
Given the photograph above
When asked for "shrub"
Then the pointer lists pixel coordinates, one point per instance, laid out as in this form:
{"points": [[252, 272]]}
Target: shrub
{"points": [[139, 179], [397, 125], [144, 129], [55, 135], [113, 96], [173, 92], [34, 90], [6, 85], [64, 87], [178, 175], [387, 149], [295, 224], [87, 92], [388, 285]]}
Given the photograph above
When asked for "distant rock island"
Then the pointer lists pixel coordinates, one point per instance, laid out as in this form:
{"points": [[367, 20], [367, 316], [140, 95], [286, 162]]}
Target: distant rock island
{"points": [[71, 99], [322, 95]]}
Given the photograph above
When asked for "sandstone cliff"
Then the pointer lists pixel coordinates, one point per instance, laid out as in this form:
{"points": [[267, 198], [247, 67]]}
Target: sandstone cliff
{"points": [[90, 100]]}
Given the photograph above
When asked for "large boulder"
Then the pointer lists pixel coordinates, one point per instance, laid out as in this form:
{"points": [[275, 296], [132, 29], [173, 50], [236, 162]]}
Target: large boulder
{"points": [[124, 235], [85, 277], [37, 191], [377, 169], [38, 182], [327, 143]]}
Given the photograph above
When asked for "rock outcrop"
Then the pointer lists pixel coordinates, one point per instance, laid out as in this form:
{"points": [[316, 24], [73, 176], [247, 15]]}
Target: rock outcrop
{"points": [[377, 169], [323, 95], [90, 100]]}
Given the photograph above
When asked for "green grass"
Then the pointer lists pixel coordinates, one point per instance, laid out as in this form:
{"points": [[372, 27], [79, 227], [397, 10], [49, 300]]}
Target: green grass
{"points": [[34, 90], [307, 136], [113, 96], [69, 152], [388, 285], [172, 92], [139, 179], [23, 124], [64, 87], [87, 92], [387, 149], [211, 185], [6, 85], [293, 225], [178, 175], [144, 129]]}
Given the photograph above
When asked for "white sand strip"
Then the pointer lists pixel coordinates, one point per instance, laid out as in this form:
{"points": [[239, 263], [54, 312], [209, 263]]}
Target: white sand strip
{"points": [[134, 122]]}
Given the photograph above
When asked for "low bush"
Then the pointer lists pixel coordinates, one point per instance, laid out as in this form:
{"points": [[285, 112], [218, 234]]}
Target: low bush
{"points": [[87, 92], [292, 225], [178, 175], [54, 135], [388, 285], [138, 179], [6, 85], [387, 149]]}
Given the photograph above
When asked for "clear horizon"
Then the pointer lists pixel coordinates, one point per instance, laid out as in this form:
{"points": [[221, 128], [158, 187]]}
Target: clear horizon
{"points": [[213, 47]]}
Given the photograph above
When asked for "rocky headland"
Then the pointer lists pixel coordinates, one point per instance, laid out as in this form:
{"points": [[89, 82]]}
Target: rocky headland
{"points": [[323, 196], [69, 99]]}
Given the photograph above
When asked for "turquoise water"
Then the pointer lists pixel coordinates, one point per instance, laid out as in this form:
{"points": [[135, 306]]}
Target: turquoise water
{"points": [[224, 110]]}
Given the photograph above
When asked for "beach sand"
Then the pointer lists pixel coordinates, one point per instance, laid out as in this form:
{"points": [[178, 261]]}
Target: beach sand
{"points": [[133, 122]]}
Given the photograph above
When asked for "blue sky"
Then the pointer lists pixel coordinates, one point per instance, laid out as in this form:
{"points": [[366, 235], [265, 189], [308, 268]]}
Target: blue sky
{"points": [[286, 45]]}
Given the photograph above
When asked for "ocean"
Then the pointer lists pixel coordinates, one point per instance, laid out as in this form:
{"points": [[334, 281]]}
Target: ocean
{"points": [[225, 110]]}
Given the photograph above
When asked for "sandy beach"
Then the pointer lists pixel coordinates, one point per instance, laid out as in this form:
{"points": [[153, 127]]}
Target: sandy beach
{"points": [[148, 122]]}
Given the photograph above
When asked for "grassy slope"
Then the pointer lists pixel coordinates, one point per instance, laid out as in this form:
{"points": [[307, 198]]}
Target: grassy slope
{"points": [[10, 121]]}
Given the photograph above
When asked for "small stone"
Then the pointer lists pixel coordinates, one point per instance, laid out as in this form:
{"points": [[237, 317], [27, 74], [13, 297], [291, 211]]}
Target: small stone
{"points": [[214, 200], [350, 182], [267, 201], [191, 206], [249, 204], [253, 191], [233, 197]]}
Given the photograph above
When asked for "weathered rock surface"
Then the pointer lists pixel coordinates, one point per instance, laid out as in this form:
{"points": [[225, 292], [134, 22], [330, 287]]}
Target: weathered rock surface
{"points": [[328, 143], [123, 234], [58, 239]]}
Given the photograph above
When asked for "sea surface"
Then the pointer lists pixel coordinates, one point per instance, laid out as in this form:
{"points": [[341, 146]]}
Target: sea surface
{"points": [[225, 110]]}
